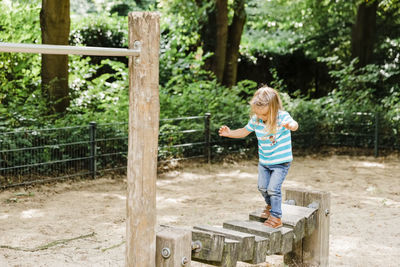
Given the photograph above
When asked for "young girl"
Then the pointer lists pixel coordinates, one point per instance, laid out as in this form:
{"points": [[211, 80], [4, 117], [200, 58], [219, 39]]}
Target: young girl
{"points": [[272, 126]]}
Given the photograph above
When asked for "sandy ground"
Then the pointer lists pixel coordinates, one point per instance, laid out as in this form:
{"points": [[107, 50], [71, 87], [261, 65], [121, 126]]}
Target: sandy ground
{"points": [[365, 212]]}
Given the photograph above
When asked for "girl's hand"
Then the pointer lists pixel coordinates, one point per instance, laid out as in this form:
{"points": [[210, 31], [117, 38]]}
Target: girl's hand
{"points": [[292, 126], [224, 131]]}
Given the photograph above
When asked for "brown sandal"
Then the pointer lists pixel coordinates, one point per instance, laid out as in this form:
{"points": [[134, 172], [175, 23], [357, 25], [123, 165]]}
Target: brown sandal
{"points": [[266, 212], [273, 222]]}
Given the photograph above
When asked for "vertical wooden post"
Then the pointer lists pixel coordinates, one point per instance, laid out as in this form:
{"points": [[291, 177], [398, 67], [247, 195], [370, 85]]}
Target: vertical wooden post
{"points": [[313, 250], [173, 247], [144, 109]]}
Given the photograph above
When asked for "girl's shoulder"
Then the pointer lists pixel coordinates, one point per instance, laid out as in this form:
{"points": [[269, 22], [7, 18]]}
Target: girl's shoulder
{"points": [[283, 113], [255, 120]]}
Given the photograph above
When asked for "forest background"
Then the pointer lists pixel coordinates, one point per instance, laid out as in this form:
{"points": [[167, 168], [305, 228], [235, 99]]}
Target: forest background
{"points": [[325, 57]]}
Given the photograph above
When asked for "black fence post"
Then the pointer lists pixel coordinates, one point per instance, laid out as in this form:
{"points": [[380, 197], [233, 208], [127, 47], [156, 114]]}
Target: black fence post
{"points": [[207, 137], [92, 136], [376, 139]]}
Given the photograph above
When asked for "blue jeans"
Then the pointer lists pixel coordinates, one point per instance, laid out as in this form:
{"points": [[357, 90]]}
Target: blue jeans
{"points": [[270, 179]]}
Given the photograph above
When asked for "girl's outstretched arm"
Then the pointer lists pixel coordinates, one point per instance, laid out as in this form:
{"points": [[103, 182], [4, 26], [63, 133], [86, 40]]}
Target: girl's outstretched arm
{"points": [[238, 133], [293, 125]]}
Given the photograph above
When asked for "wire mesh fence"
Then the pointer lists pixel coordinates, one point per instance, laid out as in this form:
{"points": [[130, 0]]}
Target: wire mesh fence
{"points": [[43, 155]]}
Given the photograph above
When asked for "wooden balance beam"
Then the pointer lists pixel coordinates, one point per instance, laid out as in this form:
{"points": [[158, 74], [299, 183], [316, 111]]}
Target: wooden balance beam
{"points": [[303, 239]]}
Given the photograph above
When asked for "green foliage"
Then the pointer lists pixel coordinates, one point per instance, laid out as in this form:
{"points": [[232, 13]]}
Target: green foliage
{"points": [[120, 7], [21, 101], [295, 38], [101, 99], [100, 30]]}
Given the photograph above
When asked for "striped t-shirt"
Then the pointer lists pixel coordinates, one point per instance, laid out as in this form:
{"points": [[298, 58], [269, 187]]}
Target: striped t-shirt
{"points": [[273, 148]]}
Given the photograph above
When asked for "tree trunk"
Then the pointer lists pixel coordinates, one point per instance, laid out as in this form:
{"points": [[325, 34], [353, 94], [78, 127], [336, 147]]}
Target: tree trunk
{"points": [[221, 38], [363, 33], [55, 26], [235, 34]]}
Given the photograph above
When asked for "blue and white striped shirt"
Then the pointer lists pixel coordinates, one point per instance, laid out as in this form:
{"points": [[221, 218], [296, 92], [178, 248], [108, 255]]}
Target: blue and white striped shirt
{"points": [[273, 148]]}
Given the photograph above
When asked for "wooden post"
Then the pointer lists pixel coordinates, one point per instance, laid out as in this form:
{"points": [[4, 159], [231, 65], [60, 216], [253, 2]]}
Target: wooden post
{"points": [[314, 249], [144, 109], [174, 247]]}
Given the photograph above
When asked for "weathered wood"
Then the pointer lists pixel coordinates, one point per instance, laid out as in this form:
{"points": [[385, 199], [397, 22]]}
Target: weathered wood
{"points": [[246, 241], [257, 228], [294, 257], [310, 215], [314, 249], [287, 240], [67, 50], [175, 241], [292, 221], [297, 223], [261, 248], [212, 246], [144, 109], [229, 256]]}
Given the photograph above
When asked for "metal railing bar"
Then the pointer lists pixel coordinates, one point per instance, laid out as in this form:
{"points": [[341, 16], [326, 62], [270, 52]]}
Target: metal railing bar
{"points": [[182, 118], [112, 123], [112, 139], [44, 180], [44, 163], [112, 154], [179, 159], [184, 131], [183, 145], [355, 113], [45, 146], [68, 50], [45, 129]]}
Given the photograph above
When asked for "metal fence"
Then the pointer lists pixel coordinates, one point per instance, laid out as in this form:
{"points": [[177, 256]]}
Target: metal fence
{"points": [[45, 155], [37, 156]]}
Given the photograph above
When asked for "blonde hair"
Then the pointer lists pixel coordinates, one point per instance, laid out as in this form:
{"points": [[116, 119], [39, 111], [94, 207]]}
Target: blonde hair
{"points": [[267, 97]]}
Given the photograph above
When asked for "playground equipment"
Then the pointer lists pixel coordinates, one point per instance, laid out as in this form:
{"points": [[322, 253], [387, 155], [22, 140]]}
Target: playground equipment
{"points": [[304, 240]]}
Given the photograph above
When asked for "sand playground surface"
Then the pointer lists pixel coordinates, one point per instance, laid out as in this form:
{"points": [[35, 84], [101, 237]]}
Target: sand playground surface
{"points": [[82, 223]]}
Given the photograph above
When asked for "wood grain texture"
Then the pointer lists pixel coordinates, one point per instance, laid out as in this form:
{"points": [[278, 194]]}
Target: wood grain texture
{"points": [[144, 109], [178, 241], [212, 246], [246, 241], [314, 248], [290, 219], [257, 228]]}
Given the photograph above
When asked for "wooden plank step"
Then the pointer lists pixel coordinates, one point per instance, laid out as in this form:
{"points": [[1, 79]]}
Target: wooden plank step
{"points": [[212, 246], [246, 241], [295, 222], [229, 256], [287, 240], [310, 215], [261, 248], [278, 238]]}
